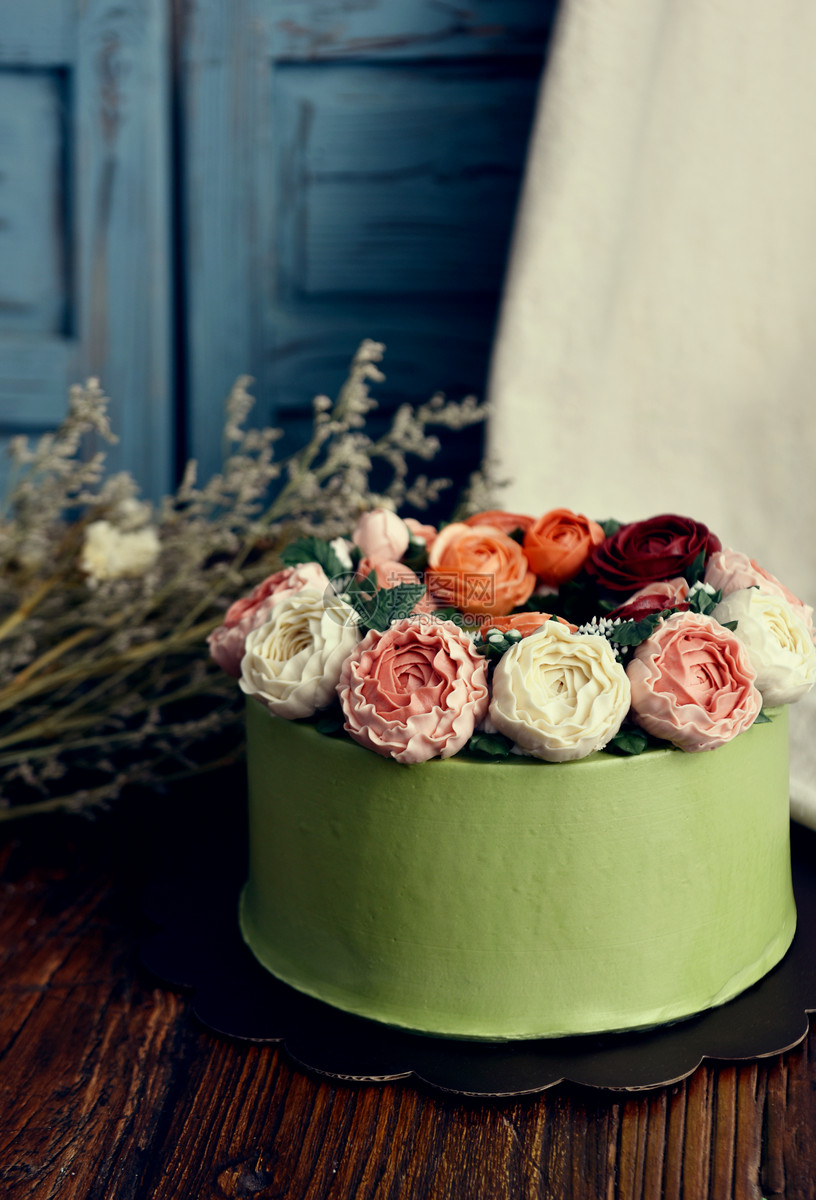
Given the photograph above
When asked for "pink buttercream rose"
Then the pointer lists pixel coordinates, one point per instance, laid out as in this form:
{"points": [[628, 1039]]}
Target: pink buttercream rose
{"points": [[731, 571], [415, 692], [421, 533], [381, 535], [227, 642], [693, 684]]}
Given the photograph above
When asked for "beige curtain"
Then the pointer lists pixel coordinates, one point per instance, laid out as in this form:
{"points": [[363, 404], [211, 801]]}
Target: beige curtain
{"points": [[656, 346]]}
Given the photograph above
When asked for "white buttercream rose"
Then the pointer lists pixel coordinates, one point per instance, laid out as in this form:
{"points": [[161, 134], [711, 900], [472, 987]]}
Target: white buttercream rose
{"points": [[559, 695], [293, 661], [777, 640], [110, 553]]}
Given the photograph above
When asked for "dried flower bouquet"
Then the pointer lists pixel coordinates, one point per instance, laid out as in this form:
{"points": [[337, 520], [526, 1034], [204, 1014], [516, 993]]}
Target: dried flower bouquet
{"points": [[106, 601]]}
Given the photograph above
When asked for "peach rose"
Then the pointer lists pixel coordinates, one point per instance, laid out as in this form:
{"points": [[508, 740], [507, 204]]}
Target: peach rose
{"points": [[479, 570], [525, 623], [420, 532], [507, 522], [558, 544], [693, 684], [381, 535], [415, 692], [227, 642], [731, 571]]}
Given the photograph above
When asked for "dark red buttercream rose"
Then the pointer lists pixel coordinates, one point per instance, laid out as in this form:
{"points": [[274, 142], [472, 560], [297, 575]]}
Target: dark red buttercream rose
{"points": [[649, 551]]}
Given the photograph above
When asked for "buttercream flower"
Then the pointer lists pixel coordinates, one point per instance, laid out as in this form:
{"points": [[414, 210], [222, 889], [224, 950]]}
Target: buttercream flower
{"points": [[111, 553], [776, 638], [693, 684], [281, 584], [524, 623], [647, 552], [227, 641], [479, 570], [730, 571], [507, 522], [387, 573], [559, 695], [381, 535], [420, 532], [415, 692], [293, 661], [558, 544], [654, 597]]}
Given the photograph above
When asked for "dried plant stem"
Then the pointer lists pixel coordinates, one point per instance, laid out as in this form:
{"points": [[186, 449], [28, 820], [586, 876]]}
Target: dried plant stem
{"points": [[80, 672], [27, 606], [51, 655], [104, 616]]}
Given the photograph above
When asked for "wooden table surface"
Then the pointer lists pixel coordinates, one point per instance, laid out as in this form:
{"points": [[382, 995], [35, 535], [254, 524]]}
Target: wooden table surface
{"points": [[110, 1087]]}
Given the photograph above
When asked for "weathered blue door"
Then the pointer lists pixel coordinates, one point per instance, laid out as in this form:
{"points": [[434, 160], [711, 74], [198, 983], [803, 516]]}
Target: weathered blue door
{"points": [[85, 285], [335, 169], [351, 170]]}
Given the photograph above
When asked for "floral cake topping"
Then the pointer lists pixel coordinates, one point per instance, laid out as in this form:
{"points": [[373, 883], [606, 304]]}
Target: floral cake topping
{"points": [[552, 637]]}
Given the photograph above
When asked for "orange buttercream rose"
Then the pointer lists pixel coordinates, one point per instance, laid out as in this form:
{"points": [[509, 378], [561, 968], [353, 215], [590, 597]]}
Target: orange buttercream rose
{"points": [[479, 570], [558, 544], [525, 623], [507, 522]]}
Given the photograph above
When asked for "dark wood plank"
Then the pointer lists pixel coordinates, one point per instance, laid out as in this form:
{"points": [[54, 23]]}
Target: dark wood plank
{"points": [[110, 1088]]}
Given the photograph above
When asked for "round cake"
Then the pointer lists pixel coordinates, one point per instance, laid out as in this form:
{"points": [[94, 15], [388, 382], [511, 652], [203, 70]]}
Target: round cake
{"points": [[517, 898]]}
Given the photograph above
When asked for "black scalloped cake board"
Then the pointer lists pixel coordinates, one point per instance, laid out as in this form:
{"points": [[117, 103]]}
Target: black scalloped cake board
{"points": [[198, 946]]}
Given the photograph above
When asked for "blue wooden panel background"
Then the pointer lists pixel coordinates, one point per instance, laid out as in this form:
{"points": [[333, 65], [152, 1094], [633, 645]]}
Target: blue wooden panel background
{"points": [[85, 212], [195, 189], [351, 170]]}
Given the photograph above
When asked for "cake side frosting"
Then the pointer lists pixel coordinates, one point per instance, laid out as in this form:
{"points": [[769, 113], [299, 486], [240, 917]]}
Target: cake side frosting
{"points": [[517, 899]]}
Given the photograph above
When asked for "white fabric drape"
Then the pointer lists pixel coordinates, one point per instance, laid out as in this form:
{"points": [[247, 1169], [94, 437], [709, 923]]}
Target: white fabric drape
{"points": [[656, 345]]}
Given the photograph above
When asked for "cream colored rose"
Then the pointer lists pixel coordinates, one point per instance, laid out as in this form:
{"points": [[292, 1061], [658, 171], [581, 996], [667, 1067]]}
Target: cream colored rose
{"points": [[110, 553], [559, 695], [293, 661], [777, 641]]}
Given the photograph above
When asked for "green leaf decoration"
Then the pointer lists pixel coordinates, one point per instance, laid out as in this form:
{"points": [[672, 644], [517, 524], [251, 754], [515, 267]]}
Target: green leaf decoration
{"points": [[378, 608], [632, 633], [704, 602], [762, 718], [495, 643], [495, 745], [312, 549], [732, 625], [416, 557], [628, 741], [694, 573], [610, 526]]}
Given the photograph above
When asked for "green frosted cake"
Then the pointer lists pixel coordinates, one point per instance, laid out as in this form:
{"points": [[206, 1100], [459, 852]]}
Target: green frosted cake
{"points": [[517, 899], [473, 818]]}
